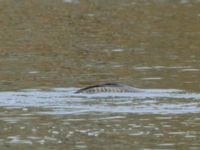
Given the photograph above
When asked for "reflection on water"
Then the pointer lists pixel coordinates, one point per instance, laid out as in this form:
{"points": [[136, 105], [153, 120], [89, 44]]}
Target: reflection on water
{"points": [[60, 117], [65, 101]]}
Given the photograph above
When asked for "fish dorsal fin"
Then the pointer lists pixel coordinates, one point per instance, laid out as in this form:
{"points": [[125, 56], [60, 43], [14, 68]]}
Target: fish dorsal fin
{"points": [[111, 86]]}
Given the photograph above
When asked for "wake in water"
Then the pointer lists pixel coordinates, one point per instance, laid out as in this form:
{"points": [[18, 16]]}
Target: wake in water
{"points": [[67, 101]]}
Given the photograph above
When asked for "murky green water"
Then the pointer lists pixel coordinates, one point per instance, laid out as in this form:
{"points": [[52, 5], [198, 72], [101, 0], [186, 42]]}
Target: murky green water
{"points": [[57, 46]]}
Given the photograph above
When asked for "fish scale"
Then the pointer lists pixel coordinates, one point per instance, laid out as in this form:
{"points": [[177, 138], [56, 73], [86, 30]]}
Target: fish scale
{"points": [[108, 88]]}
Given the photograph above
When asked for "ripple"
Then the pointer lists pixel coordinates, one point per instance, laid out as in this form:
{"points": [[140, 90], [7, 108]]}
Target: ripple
{"points": [[17, 140], [60, 101]]}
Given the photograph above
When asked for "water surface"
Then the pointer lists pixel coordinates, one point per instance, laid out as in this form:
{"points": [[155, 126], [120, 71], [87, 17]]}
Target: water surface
{"points": [[58, 46]]}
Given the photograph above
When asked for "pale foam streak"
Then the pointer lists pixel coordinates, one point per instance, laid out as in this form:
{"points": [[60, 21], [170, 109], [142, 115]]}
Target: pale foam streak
{"points": [[60, 101]]}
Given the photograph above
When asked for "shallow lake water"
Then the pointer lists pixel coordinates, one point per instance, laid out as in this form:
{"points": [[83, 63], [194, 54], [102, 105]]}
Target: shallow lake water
{"points": [[51, 48]]}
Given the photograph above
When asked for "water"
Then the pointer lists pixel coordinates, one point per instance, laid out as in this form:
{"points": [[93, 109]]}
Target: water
{"points": [[65, 101], [49, 49], [150, 114]]}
